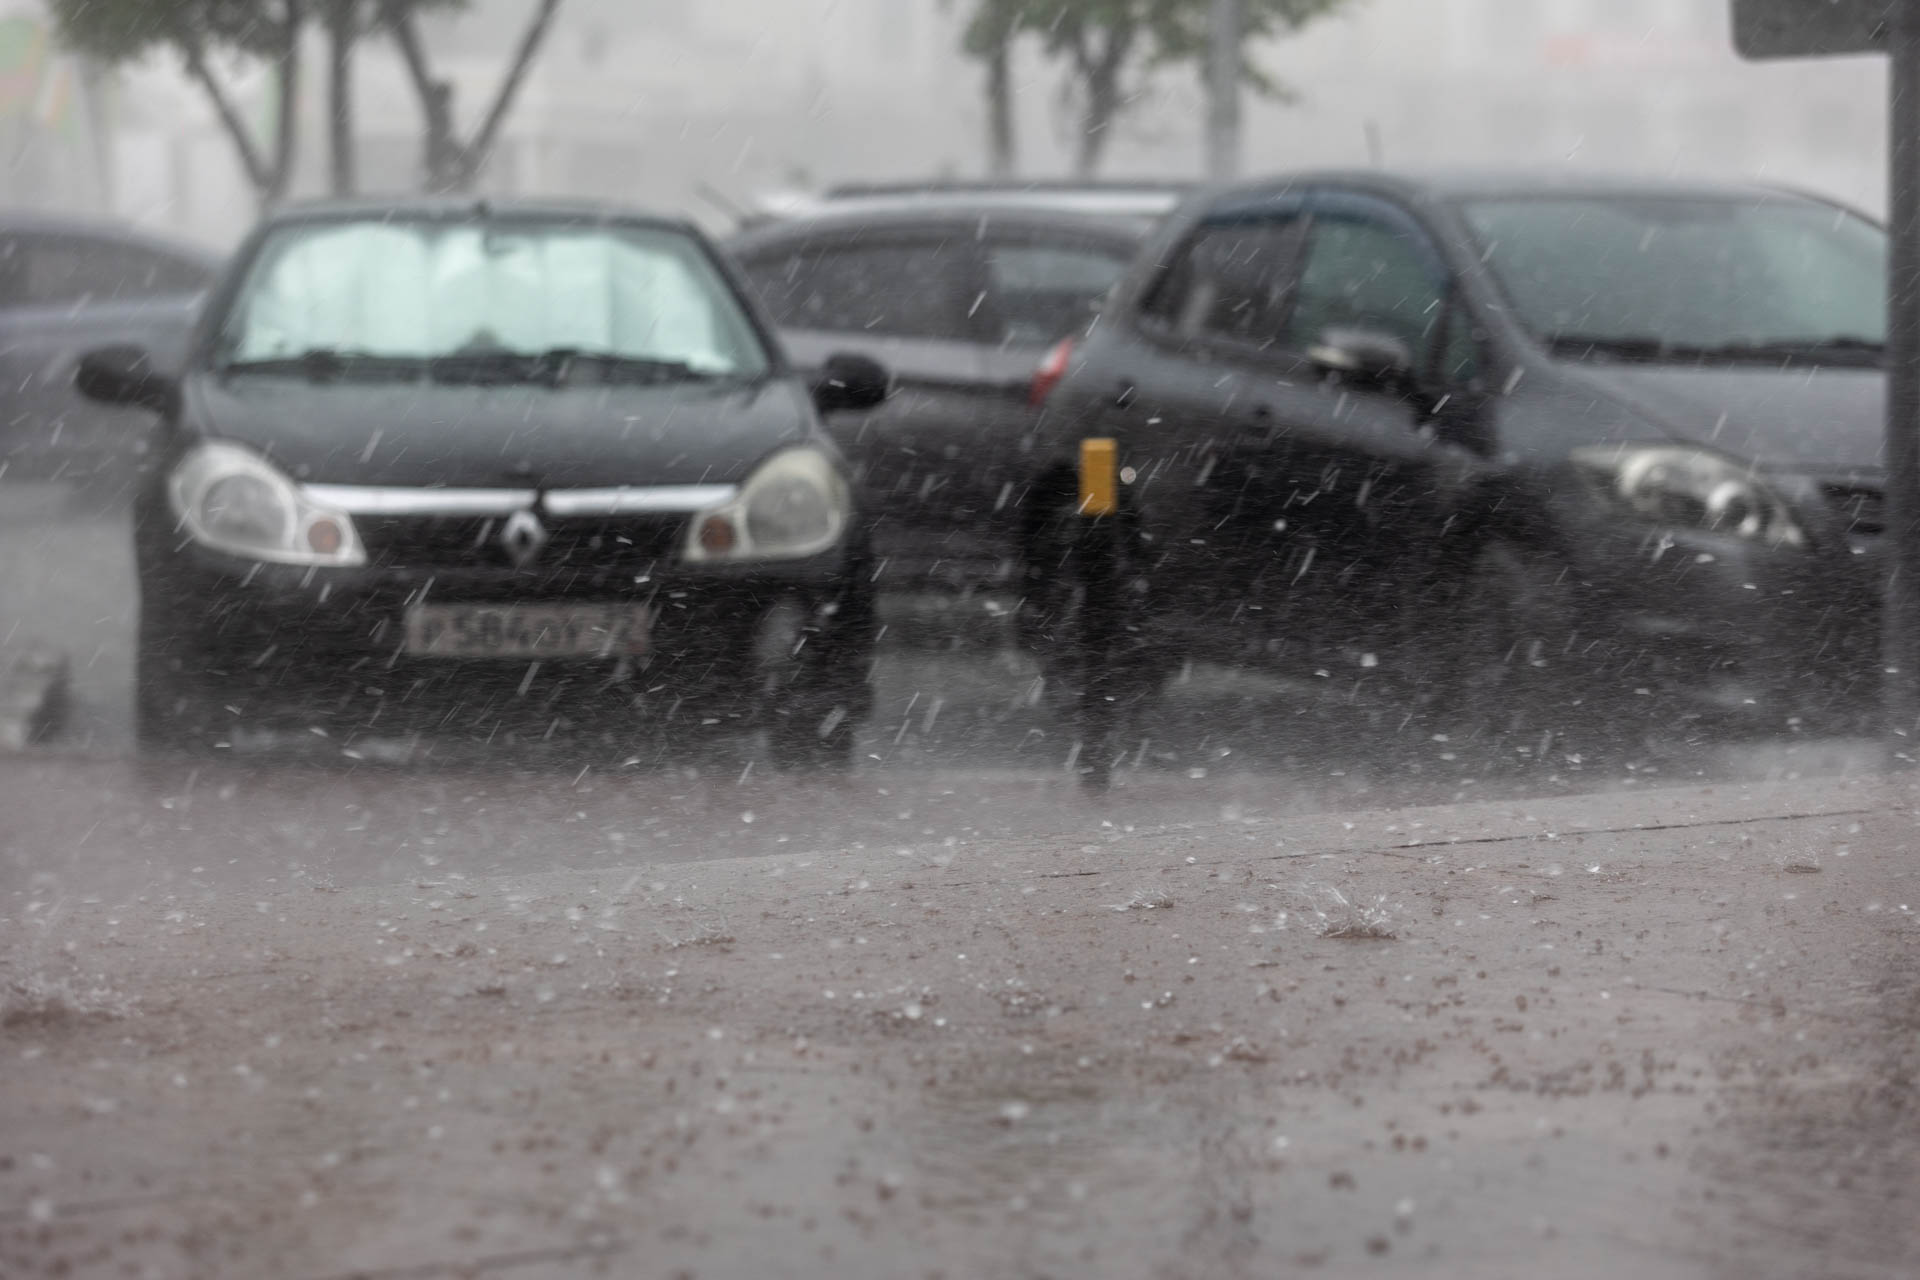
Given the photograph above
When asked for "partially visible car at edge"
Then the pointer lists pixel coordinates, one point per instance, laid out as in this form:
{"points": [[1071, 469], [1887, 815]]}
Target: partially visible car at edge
{"points": [[963, 291], [1530, 444], [442, 460], [68, 285]]}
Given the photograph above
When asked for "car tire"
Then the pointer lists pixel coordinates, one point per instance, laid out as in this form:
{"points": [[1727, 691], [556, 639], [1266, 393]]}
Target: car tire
{"points": [[1516, 671], [816, 700], [812, 744], [173, 711]]}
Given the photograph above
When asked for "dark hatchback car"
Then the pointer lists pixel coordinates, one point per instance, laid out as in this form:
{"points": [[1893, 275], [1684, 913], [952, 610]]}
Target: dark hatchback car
{"points": [[431, 464], [962, 292], [68, 286], [1519, 443]]}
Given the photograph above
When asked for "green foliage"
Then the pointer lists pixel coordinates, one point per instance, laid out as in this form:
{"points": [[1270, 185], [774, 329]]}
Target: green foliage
{"points": [[119, 30], [993, 25], [1153, 32], [1102, 42]]}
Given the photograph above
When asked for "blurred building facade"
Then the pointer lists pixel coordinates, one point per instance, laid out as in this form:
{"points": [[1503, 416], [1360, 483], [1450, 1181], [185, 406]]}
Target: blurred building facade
{"points": [[690, 104]]}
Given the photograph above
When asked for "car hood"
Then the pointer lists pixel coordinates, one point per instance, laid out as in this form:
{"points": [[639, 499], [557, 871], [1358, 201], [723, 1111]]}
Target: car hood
{"points": [[418, 435], [1822, 419]]}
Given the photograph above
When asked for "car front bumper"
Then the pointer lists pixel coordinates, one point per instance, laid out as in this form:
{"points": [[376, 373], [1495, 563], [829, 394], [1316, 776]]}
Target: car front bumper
{"points": [[288, 646], [1722, 623]]}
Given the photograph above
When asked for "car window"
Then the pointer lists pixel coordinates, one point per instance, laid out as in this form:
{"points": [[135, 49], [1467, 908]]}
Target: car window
{"points": [[899, 288], [1362, 272], [13, 270], [1042, 292], [76, 270], [1456, 356], [1689, 271], [1230, 280], [427, 289]]}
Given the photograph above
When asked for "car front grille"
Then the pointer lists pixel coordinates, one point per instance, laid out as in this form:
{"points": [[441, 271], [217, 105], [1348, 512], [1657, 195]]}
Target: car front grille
{"points": [[1861, 508], [574, 545]]}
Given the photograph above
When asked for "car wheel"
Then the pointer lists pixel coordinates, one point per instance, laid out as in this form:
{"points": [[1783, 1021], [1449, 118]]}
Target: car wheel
{"points": [[173, 708], [815, 682], [1517, 670], [812, 743], [1053, 620]]}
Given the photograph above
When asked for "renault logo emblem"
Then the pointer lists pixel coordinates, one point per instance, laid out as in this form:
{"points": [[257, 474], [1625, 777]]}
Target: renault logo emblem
{"points": [[522, 538]]}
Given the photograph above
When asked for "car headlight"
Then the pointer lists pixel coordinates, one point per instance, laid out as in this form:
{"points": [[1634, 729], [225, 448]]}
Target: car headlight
{"points": [[1692, 489], [795, 504], [233, 500]]}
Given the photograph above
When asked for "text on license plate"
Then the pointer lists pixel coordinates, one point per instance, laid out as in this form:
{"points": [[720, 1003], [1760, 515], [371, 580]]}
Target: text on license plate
{"points": [[527, 630]]}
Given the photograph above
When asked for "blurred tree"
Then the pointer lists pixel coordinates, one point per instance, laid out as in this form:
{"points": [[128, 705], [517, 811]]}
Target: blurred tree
{"points": [[1102, 42], [989, 38], [345, 24], [450, 164], [200, 32]]}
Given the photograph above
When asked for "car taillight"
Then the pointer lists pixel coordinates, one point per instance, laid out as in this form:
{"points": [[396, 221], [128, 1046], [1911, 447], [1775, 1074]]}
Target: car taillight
{"points": [[1051, 370]]}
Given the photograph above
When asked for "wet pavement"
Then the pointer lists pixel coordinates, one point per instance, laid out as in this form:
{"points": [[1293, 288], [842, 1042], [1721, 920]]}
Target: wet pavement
{"points": [[1571, 1037]]}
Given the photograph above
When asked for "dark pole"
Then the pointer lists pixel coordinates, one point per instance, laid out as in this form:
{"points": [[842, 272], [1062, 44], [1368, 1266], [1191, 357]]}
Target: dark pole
{"points": [[1900, 656]]}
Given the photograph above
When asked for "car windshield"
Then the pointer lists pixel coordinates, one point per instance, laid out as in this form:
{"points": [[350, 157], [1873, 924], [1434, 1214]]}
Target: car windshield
{"points": [[433, 290], [1645, 275]]}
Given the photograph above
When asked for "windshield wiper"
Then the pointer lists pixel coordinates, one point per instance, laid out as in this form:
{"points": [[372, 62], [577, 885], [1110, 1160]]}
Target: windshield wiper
{"points": [[1840, 348], [1847, 349], [1620, 348], [554, 367], [326, 364]]}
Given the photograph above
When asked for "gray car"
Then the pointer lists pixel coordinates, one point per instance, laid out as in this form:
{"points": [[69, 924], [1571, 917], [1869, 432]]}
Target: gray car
{"points": [[68, 286], [1545, 443], [963, 292]]}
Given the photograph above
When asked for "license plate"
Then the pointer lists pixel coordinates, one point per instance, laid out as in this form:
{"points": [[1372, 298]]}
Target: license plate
{"points": [[527, 630]]}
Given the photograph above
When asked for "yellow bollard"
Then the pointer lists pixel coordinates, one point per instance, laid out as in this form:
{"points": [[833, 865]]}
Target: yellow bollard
{"points": [[1099, 477]]}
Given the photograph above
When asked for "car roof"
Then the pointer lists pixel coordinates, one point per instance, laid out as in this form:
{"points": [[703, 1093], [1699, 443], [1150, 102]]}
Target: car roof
{"points": [[49, 222], [1125, 206], [1454, 185], [463, 208]]}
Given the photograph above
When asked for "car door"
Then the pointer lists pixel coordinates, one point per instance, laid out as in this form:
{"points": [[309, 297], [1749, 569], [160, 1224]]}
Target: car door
{"points": [[1179, 386], [1293, 513], [903, 296], [1368, 472], [64, 295]]}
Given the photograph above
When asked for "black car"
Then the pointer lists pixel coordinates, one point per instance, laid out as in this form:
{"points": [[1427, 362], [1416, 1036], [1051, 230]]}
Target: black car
{"points": [[1519, 442], [430, 462], [963, 292], [68, 286]]}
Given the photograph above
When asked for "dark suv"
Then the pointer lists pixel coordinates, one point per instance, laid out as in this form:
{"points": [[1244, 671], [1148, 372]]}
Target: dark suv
{"points": [[1520, 442], [962, 292]]}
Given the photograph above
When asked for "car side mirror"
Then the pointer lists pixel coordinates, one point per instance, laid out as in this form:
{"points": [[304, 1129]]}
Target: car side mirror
{"points": [[1364, 356], [850, 381], [124, 376]]}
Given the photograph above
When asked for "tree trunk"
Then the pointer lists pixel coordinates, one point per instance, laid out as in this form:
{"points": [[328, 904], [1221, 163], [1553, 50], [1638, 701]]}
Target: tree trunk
{"points": [[449, 165], [1227, 34], [437, 149], [341, 24], [1099, 74], [286, 132], [474, 155], [246, 150], [1001, 157], [1103, 105]]}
